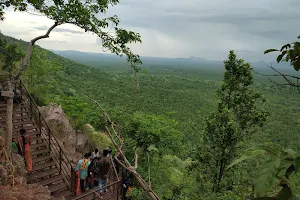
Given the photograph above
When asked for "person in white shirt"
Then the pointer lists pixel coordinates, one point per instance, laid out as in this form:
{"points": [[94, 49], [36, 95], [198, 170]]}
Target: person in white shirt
{"points": [[95, 154]]}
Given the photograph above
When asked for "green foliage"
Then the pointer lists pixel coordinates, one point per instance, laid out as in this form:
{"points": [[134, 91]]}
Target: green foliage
{"points": [[184, 94], [156, 130], [41, 75], [250, 153], [277, 170], [100, 140], [10, 55], [266, 176], [236, 119], [84, 14], [173, 178], [289, 53]]}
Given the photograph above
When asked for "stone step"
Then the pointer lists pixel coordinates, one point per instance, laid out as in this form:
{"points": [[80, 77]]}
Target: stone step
{"points": [[39, 175], [51, 180], [44, 166], [41, 159], [38, 152], [57, 187]]}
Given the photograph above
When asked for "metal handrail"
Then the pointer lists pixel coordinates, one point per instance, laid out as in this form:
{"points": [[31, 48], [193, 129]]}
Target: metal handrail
{"points": [[42, 117], [55, 149], [94, 190], [65, 166]]}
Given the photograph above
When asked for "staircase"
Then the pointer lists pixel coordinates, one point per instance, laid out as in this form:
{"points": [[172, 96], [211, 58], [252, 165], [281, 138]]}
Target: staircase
{"points": [[50, 165]]}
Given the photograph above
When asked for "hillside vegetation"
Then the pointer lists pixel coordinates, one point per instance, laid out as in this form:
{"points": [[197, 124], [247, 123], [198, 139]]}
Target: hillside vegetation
{"points": [[164, 116]]}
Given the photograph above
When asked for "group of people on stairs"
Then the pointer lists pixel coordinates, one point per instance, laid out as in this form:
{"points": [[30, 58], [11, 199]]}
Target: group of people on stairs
{"points": [[21, 146], [93, 171]]}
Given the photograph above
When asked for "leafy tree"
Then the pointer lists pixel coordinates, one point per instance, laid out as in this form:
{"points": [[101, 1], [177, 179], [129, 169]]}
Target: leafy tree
{"points": [[289, 53], [10, 55], [156, 130], [236, 119], [40, 77], [83, 14], [172, 177]]}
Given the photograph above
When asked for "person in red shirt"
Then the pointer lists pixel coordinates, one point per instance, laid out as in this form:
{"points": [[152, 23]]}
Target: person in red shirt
{"points": [[24, 145]]}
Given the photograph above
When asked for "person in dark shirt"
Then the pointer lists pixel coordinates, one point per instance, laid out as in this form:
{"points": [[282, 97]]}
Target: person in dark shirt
{"points": [[102, 171]]}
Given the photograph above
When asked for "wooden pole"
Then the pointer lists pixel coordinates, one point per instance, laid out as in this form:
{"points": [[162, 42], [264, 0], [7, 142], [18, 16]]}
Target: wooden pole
{"points": [[9, 126]]}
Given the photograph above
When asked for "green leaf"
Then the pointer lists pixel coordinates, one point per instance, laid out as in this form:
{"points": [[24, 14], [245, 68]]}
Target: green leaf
{"points": [[250, 153], [269, 149], [265, 198], [290, 152], [296, 65], [285, 164], [279, 58], [297, 164], [285, 47], [266, 176], [270, 50]]}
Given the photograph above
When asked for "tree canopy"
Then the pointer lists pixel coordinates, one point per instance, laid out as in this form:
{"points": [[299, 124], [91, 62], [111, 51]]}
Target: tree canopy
{"points": [[86, 15], [235, 120]]}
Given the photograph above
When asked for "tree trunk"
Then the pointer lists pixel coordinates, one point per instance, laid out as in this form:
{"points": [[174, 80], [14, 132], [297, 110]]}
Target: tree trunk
{"points": [[215, 178], [145, 186], [221, 173], [9, 126]]}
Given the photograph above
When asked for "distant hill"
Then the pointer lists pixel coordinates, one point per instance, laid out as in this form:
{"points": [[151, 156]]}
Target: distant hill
{"points": [[96, 59]]}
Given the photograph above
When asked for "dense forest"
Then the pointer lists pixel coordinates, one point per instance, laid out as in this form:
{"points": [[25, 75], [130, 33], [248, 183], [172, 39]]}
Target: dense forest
{"points": [[163, 112]]}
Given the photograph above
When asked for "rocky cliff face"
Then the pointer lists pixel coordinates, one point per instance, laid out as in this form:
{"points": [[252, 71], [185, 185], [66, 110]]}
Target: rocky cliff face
{"points": [[13, 181], [75, 143], [25, 192]]}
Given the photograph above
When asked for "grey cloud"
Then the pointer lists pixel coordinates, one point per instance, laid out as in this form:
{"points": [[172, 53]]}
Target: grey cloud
{"points": [[205, 28], [60, 30], [216, 26]]}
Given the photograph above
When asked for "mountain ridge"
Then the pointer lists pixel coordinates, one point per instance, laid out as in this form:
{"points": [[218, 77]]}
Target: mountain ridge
{"points": [[148, 60]]}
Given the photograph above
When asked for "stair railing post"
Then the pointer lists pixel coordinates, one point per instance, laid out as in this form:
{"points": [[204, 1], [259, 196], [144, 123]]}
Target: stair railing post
{"points": [[30, 104], [49, 139], [15, 86], [60, 158], [21, 89], [40, 125], [73, 180]]}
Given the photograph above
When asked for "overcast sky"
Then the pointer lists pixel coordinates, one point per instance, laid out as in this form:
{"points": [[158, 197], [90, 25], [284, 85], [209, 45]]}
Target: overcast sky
{"points": [[177, 28]]}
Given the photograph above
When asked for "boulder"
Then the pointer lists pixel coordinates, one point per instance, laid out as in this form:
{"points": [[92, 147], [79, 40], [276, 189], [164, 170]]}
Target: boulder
{"points": [[19, 164], [82, 143], [60, 125]]}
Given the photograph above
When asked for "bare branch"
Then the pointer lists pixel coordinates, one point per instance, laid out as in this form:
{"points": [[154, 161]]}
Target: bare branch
{"points": [[286, 77], [149, 180], [115, 170], [136, 156], [30, 48]]}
